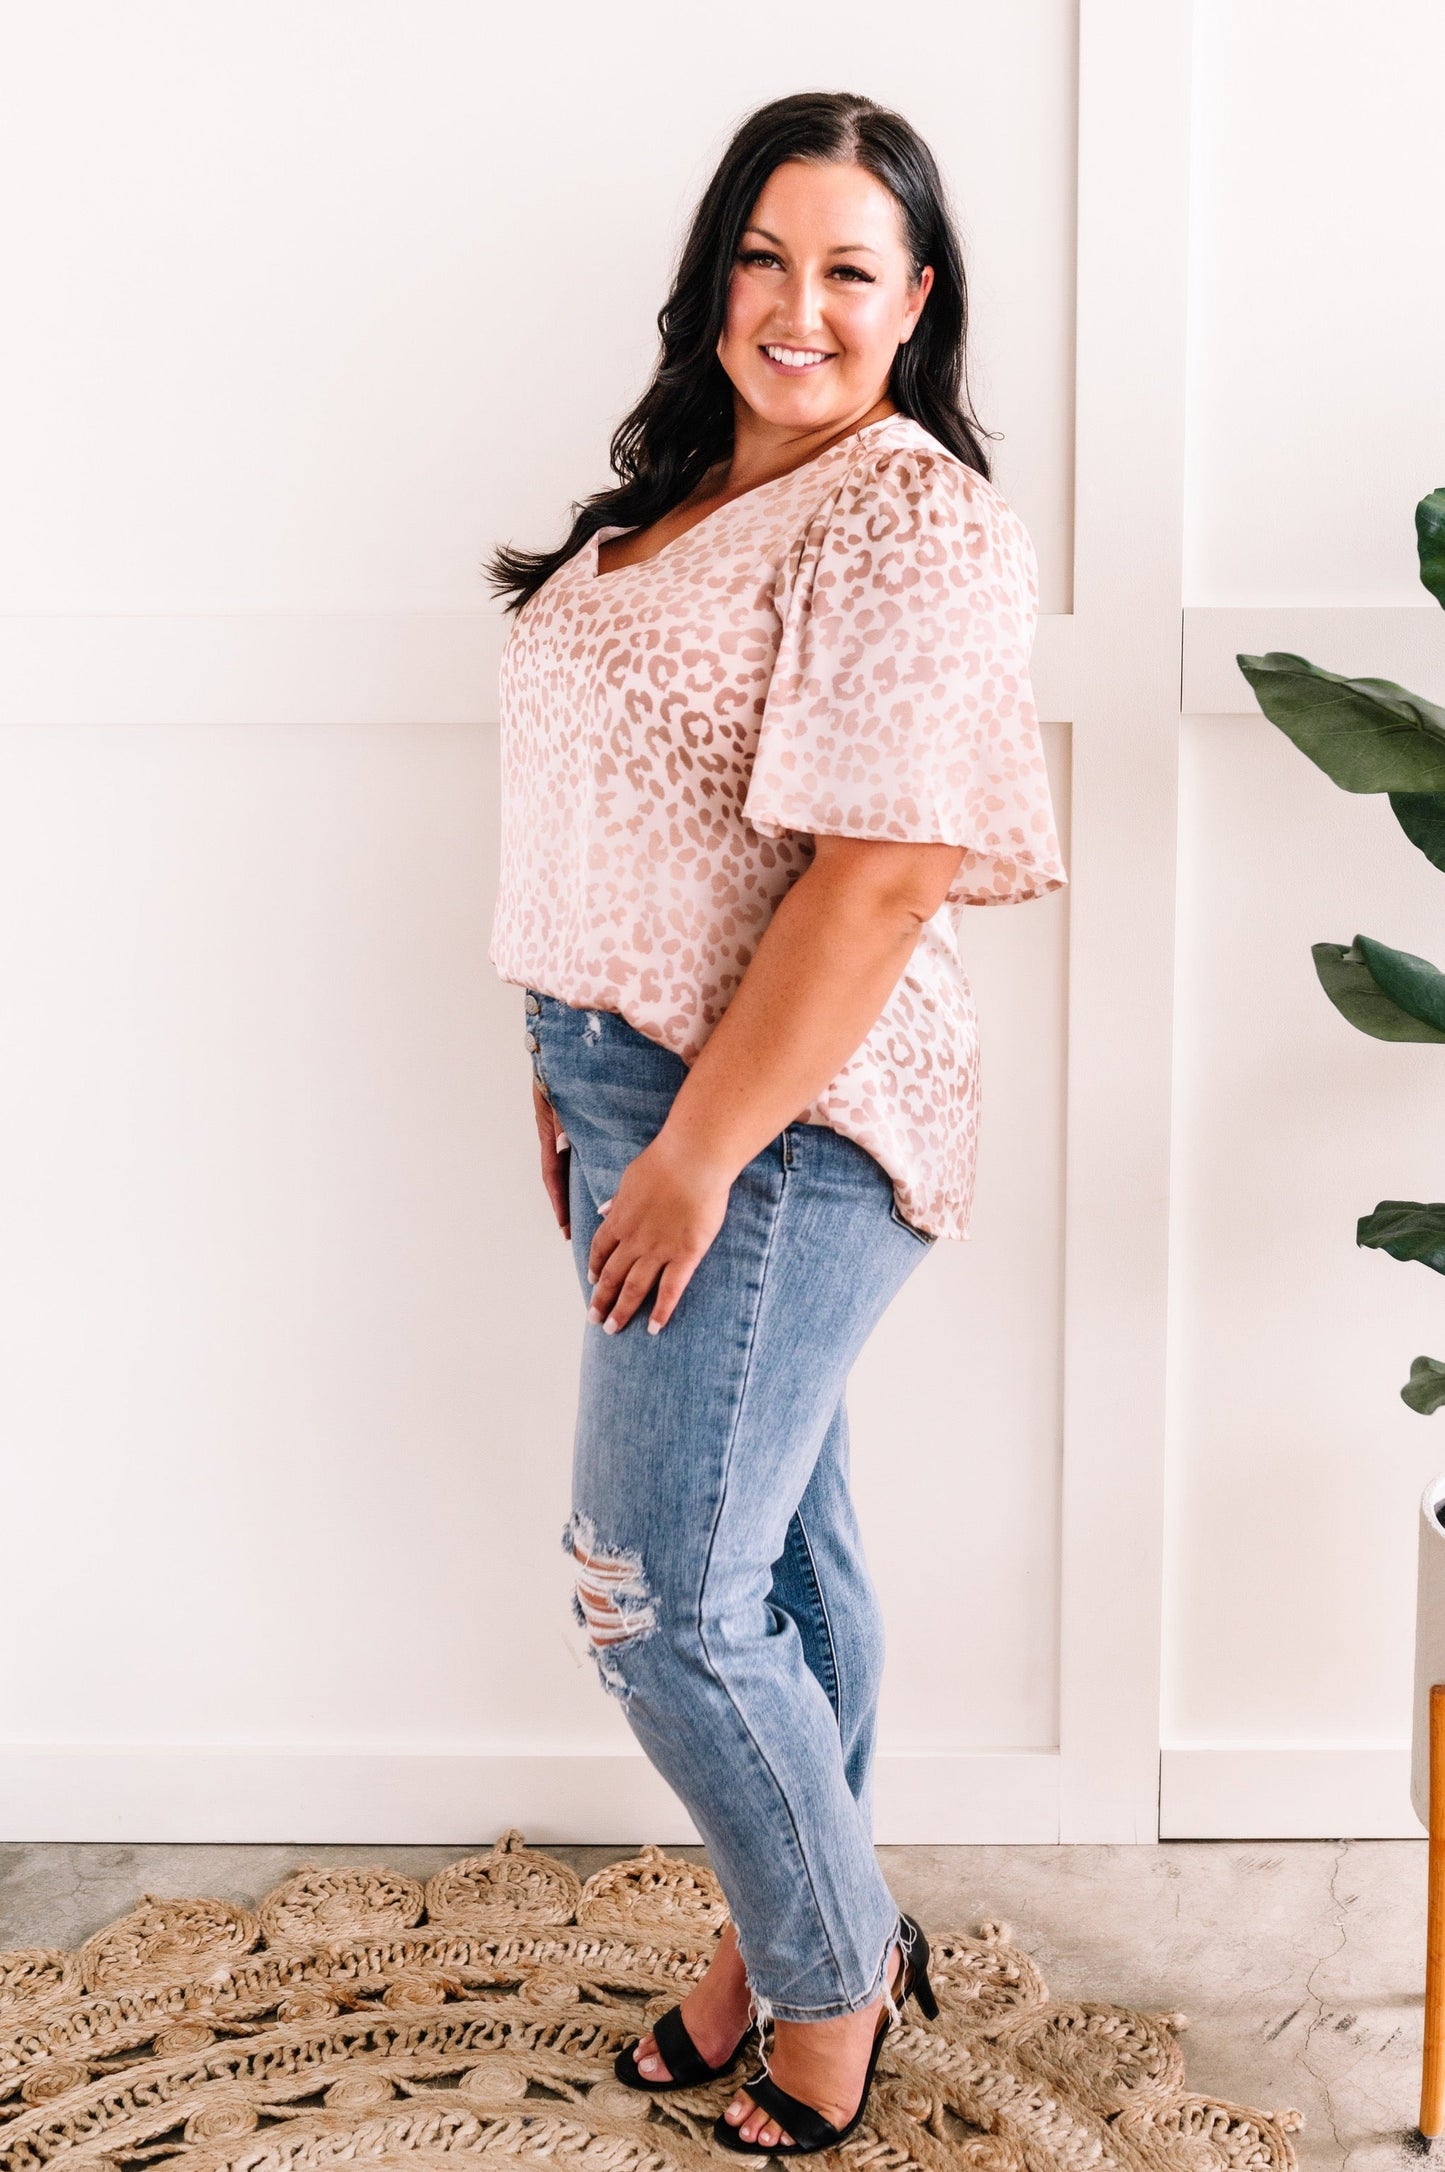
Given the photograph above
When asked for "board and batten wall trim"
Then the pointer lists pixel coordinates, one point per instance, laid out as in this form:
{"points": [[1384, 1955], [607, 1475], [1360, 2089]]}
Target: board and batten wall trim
{"points": [[301, 667], [1120, 669], [1403, 642], [1132, 283], [440, 667]]}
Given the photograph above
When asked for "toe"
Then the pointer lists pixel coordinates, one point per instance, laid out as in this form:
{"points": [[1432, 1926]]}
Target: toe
{"points": [[747, 2115], [648, 2060], [754, 2124]]}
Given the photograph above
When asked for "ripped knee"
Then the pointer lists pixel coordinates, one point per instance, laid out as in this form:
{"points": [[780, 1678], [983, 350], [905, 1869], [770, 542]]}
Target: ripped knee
{"points": [[610, 1600]]}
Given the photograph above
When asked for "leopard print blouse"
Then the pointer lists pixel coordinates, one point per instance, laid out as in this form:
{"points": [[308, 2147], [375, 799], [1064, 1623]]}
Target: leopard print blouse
{"points": [[842, 651]]}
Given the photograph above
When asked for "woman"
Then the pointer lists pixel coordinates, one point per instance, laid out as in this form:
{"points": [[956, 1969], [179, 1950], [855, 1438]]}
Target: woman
{"points": [[766, 719]]}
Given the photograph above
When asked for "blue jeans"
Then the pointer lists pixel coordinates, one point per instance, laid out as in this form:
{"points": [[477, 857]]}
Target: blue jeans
{"points": [[720, 1570]]}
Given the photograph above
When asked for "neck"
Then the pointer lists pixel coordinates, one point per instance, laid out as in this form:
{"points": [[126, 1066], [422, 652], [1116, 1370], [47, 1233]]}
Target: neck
{"points": [[763, 450]]}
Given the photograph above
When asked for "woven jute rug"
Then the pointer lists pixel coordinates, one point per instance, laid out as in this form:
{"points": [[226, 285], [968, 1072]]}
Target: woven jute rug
{"points": [[357, 2016]]}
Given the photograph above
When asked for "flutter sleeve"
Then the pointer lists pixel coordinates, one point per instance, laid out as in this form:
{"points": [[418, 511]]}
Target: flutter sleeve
{"points": [[900, 704]]}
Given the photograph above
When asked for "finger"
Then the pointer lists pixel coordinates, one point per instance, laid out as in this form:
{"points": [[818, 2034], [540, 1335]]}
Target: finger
{"points": [[604, 1244], [607, 1281], [561, 1191], [675, 1278], [562, 1148], [621, 1260], [636, 1283], [555, 1172]]}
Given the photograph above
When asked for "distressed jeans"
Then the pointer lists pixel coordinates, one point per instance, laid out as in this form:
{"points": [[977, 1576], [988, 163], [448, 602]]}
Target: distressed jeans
{"points": [[719, 1566]]}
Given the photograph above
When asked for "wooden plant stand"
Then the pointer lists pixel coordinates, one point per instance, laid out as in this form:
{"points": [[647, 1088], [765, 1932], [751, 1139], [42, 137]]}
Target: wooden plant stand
{"points": [[1432, 2072]]}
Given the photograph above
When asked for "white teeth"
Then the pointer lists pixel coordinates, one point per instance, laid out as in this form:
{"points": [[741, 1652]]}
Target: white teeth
{"points": [[795, 358]]}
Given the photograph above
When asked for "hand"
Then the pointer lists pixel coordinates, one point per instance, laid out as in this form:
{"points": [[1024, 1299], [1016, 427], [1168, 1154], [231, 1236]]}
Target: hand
{"points": [[555, 1167], [659, 1223]]}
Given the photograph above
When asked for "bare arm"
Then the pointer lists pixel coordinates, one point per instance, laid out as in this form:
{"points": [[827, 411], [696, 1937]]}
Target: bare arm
{"points": [[825, 966]]}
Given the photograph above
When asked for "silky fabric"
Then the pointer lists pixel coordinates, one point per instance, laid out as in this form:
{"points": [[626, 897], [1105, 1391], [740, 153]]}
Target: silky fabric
{"points": [[722, 1579], [841, 651]]}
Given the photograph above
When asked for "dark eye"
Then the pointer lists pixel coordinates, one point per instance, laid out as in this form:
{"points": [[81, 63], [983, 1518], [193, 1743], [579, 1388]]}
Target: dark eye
{"points": [[767, 256]]}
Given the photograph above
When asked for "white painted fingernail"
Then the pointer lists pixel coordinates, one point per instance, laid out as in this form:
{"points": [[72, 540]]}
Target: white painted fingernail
{"points": [[654, 1327], [562, 1140], [606, 1204], [609, 1325]]}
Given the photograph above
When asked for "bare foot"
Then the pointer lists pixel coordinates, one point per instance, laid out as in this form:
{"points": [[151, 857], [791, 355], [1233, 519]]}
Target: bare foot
{"points": [[821, 2063], [716, 2013]]}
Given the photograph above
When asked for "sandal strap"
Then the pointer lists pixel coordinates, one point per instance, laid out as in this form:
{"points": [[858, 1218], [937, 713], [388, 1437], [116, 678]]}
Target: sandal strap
{"points": [[802, 2121], [685, 2063]]}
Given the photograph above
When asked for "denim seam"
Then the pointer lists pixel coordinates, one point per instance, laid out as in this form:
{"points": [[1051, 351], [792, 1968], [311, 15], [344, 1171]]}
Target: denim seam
{"points": [[836, 1699], [702, 1637]]}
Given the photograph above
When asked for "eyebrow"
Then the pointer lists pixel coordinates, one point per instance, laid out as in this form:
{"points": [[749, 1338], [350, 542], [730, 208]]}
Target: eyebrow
{"points": [[843, 248]]}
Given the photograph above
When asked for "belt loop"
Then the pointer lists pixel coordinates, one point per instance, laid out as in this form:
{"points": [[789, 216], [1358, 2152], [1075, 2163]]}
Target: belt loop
{"points": [[787, 1146]]}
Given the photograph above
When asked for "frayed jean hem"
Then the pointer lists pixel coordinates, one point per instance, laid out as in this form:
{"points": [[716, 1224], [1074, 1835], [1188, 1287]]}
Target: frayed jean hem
{"points": [[766, 2009]]}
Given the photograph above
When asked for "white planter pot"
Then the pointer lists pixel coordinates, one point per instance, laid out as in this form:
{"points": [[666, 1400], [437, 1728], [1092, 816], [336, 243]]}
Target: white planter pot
{"points": [[1429, 1639]]}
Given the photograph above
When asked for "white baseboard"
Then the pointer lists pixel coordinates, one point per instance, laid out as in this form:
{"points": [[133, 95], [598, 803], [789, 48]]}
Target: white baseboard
{"points": [[379, 1799], [1326, 1791], [1208, 1791], [971, 1798]]}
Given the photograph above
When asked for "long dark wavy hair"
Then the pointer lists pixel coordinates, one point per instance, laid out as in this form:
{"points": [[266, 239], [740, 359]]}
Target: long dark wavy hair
{"points": [[683, 424]]}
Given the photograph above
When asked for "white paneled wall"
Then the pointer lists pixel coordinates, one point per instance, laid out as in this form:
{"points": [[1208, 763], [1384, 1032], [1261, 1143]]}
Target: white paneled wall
{"points": [[315, 304], [1314, 426], [320, 303], [1316, 316]]}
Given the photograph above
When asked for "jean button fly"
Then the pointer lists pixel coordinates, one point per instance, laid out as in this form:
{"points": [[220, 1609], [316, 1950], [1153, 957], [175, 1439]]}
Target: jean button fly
{"points": [[532, 1004]]}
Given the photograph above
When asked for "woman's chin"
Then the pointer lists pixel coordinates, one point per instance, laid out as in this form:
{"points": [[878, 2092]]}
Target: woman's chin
{"points": [[797, 404]]}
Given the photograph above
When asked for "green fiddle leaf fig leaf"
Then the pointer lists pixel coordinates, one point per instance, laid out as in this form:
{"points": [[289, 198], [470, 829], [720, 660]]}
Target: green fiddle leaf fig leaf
{"points": [[1430, 534], [1414, 983], [1425, 1389], [1421, 815], [1367, 735], [1357, 995], [1406, 1229]]}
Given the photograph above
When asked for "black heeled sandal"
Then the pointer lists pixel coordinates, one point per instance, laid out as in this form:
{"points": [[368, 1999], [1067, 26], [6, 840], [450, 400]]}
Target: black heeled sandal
{"points": [[809, 2129], [686, 2066]]}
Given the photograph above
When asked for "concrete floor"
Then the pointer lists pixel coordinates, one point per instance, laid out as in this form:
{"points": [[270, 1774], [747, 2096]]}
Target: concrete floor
{"points": [[1299, 1963]]}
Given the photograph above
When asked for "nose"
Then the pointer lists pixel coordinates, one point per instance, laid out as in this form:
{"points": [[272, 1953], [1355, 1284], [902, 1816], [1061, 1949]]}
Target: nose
{"points": [[804, 298]]}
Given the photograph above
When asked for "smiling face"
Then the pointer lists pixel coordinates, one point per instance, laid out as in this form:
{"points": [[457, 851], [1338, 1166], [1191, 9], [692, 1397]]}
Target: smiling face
{"points": [[820, 298]]}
